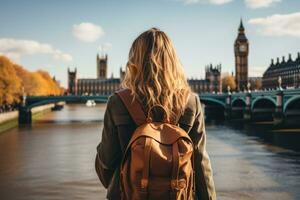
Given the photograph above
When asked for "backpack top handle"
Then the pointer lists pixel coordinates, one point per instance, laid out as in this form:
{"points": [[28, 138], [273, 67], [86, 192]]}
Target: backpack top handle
{"points": [[165, 117], [136, 111]]}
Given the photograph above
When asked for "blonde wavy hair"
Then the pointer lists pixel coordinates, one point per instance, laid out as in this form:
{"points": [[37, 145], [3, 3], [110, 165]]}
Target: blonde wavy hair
{"points": [[155, 75]]}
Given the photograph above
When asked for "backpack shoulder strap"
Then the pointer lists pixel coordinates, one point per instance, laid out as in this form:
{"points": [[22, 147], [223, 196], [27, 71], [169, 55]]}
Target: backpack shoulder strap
{"points": [[133, 106]]}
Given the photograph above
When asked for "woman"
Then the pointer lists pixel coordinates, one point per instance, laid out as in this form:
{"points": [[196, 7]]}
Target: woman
{"points": [[154, 76]]}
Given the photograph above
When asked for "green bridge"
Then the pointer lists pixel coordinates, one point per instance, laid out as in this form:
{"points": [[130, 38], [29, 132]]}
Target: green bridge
{"points": [[274, 105]]}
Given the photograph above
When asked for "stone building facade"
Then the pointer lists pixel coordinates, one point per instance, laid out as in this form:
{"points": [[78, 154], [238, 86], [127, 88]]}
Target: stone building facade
{"points": [[72, 81], [101, 67], [94, 86], [288, 70], [212, 82], [106, 86]]}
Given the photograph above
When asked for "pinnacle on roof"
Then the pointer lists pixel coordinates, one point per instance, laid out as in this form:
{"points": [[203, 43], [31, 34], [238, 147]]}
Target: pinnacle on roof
{"points": [[241, 28]]}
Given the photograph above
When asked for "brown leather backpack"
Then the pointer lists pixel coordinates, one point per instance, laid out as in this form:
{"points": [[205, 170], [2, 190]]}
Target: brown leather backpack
{"points": [[158, 161]]}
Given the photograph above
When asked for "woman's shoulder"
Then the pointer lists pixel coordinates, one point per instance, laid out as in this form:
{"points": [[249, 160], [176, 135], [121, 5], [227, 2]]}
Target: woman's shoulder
{"points": [[192, 103], [115, 103], [118, 111], [191, 110]]}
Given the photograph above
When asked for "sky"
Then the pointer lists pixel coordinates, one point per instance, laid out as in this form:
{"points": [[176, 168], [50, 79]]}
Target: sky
{"points": [[56, 34]]}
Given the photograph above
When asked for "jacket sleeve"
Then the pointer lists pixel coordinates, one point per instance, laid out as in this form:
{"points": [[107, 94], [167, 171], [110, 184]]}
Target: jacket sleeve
{"points": [[108, 151], [205, 189]]}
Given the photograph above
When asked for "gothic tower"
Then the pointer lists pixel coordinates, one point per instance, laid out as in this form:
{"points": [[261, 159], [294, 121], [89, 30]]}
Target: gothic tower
{"points": [[213, 75], [101, 67], [241, 52], [72, 81]]}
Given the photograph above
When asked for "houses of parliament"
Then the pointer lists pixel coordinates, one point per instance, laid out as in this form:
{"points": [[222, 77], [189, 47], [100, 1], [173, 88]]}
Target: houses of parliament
{"points": [[103, 85]]}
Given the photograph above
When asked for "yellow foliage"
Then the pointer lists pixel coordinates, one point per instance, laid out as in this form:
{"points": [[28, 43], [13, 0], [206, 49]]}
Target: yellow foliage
{"points": [[10, 83], [14, 79], [228, 81], [256, 84]]}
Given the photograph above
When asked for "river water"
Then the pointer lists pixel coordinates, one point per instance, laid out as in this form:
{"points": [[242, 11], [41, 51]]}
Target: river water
{"points": [[54, 159]]}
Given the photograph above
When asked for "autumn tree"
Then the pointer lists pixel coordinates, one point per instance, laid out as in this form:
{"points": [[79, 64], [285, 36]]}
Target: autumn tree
{"points": [[38, 83], [51, 86], [10, 83], [26, 77], [228, 80], [256, 84], [14, 79]]}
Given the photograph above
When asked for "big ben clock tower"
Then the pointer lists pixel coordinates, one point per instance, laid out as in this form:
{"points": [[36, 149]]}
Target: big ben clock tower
{"points": [[241, 51]]}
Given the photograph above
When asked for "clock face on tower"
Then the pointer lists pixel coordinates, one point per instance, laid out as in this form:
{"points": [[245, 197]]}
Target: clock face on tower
{"points": [[243, 48]]}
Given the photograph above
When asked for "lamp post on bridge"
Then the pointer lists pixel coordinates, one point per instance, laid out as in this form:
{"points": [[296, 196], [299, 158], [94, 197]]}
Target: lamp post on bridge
{"points": [[25, 115], [279, 83], [278, 114], [23, 97], [298, 81], [227, 112], [247, 111]]}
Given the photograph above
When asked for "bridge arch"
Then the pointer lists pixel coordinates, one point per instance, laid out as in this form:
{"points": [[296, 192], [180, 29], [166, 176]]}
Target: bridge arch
{"points": [[212, 100], [238, 102], [263, 108], [214, 108], [290, 102], [238, 106], [269, 100], [56, 100]]}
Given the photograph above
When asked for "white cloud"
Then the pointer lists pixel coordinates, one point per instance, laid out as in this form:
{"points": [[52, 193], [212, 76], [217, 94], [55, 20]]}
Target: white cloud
{"points": [[215, 2], [250, 3], [62, 56], [14, 49], [260, 3], [87, 32], [279, 25]]}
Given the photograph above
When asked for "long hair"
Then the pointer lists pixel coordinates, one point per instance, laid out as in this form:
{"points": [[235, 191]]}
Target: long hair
{"points": [[155, 75]]}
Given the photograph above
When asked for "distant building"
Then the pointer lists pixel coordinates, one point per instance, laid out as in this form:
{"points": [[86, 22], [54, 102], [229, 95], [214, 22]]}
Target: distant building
{"points": [[199, 85], [288, 70], [211, 83], [96, 86], [101, 67], [213, 75], [72, 81], [241, 52], [106, 86], [255, 82]]}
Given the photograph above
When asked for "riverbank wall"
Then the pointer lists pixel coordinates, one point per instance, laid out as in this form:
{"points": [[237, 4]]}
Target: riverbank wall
{"points": [[10, 119]]}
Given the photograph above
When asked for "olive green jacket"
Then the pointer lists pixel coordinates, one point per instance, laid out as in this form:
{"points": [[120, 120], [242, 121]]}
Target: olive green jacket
{"points": [[117, 131]]}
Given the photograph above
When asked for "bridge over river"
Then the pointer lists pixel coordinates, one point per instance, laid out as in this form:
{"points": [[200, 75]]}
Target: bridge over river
{"points": [[279, 106]]}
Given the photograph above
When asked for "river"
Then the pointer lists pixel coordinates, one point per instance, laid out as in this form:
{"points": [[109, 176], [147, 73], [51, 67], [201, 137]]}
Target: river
{"points": [[54, 159]]}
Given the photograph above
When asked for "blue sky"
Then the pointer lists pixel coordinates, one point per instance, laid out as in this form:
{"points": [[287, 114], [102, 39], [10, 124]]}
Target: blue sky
{"points": [[57, 34]]}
